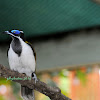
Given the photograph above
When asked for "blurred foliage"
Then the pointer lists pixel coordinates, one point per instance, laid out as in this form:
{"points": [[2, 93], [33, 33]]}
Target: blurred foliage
{"points": [[64, 73], [1, 98], [64, 79], [54, 73], [18, 97], [15, 87], [4, 81], [64, 85], [82, 76], [51, 83]]}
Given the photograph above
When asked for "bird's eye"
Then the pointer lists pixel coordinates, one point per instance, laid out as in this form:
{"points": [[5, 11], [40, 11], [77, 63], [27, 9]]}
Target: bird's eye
{"points": [[14, 32]]}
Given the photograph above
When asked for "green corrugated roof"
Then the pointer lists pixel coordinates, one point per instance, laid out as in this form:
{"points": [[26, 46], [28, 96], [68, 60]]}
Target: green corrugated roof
{"points": [[38, 17]]}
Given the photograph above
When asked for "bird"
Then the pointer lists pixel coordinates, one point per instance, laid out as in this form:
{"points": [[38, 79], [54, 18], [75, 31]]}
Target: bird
{"points": [[22, 58]]}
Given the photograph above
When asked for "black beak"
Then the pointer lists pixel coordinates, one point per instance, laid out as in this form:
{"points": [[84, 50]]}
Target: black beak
{"points": [[5, 32]]}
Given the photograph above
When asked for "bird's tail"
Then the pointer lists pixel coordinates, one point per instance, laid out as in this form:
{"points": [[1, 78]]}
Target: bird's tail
{"points": [[27, 94]]}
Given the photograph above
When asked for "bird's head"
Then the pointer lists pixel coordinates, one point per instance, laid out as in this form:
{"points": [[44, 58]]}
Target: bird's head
{"points": [[15, 33]]}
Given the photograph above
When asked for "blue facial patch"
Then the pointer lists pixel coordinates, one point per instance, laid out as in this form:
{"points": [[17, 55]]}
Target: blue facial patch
{"points": [[15, 31]]}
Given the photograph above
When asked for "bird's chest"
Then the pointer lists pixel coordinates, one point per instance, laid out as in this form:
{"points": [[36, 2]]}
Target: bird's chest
{"points": [[14, 59], [21, 58]]}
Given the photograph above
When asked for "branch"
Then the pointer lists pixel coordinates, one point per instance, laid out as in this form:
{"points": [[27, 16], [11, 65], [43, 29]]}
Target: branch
{"points": [[54, 93]]}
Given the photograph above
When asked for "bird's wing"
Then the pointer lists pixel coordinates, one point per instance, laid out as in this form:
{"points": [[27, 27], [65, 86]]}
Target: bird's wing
{"points": [[32, 49]]}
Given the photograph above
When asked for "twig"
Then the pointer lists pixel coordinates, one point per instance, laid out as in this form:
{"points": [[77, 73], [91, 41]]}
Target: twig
{"points": [[54, 93]]}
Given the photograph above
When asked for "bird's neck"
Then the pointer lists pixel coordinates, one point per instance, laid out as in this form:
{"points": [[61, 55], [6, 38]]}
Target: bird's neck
{"points": [[15, 42]]}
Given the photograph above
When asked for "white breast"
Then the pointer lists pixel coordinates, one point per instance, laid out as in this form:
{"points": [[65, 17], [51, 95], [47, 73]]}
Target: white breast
{"points": [[25, 63]]}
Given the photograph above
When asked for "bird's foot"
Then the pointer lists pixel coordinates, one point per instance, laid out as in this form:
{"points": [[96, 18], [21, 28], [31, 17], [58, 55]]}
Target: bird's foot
{"points": [[34, 77]]}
